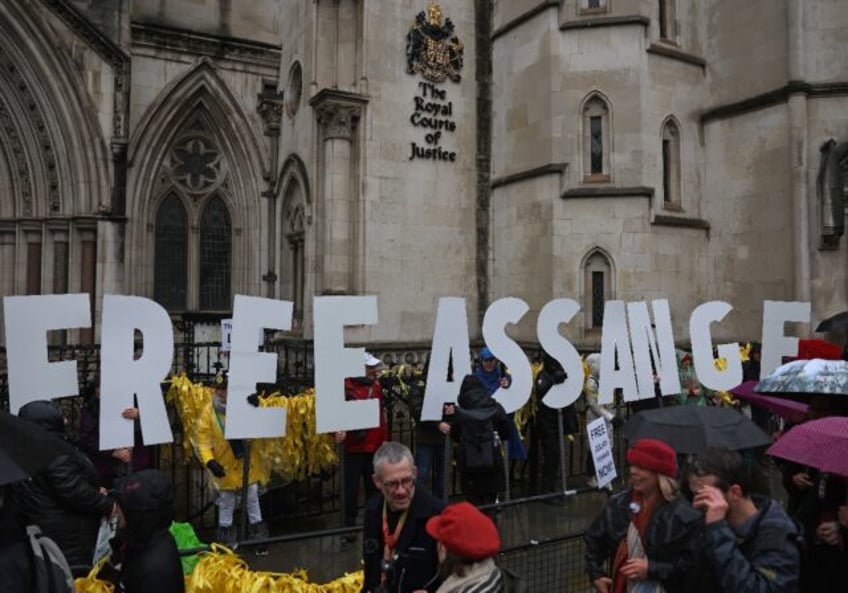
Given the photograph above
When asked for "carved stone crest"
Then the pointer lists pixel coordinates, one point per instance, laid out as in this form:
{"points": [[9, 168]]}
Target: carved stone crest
{"points": [[432, 48]]}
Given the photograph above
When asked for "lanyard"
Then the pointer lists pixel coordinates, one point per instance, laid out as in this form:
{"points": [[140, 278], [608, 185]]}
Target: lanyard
{"points": [[390, 540]]}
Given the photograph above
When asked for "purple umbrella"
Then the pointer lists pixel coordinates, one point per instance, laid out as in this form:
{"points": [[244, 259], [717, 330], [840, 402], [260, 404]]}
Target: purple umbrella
{"points": [[787, 409], [822, 444]]}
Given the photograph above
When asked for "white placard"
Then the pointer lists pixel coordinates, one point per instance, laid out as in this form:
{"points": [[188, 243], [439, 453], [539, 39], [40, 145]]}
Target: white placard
{"points": [[775, 344], [450, 340], [615, 343], [227, 333], [123, 377], [547, 328], [334, 362], [702, 348], [251, 315], [653, 348], [498, 315], [599, 444], [28, 318]]}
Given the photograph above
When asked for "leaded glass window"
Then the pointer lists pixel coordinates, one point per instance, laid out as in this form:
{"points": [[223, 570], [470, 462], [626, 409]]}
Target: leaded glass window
{"points": [[596, 139], [215, 249], [170, 268]]}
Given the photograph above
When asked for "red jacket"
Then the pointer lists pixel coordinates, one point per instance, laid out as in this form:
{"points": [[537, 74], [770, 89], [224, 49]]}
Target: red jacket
{"points": [[365, 440]]}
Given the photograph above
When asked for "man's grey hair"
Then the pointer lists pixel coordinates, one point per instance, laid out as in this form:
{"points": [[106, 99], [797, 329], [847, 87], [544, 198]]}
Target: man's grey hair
{"points": [[392, 452]]}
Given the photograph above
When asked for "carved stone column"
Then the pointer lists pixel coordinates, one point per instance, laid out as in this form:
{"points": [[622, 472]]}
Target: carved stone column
{"points": [[270, 107], [338, 114]]}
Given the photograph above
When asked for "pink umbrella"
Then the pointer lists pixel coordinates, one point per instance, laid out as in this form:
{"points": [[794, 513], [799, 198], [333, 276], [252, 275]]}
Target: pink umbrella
{"points": [[822, 444], [788, 409]]}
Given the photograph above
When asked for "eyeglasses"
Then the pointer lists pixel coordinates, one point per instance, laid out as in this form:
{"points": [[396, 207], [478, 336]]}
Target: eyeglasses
{"points": [[407, 483]]}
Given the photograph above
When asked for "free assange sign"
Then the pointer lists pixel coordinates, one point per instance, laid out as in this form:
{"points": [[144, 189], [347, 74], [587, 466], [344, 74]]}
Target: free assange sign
{"points": [[629, 337]]}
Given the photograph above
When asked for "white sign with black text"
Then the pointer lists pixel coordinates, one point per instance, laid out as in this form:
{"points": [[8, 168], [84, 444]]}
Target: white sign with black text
{"points": [[599, 443]]}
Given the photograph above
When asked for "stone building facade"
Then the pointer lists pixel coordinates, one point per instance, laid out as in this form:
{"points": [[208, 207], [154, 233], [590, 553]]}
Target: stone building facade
{"points": [[190, 150]]}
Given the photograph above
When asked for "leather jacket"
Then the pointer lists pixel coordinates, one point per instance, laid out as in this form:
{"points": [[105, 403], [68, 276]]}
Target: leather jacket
{"points": [[669, 541]]}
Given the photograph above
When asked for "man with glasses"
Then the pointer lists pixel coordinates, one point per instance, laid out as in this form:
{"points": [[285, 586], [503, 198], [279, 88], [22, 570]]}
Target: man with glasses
{"points": [[399, 555]]}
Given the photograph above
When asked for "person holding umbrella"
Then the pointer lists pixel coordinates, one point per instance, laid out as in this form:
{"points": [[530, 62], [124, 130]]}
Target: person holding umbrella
{"points": [[820, 448], [647, 532], [749, 543]]}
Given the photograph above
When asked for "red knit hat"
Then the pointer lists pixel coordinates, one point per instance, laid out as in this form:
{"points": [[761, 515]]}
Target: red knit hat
{"points": [[653, 455], [465, 531]]}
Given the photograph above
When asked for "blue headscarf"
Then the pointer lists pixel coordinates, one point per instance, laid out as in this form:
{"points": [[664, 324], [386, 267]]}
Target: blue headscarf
{"points": [[491, 380]]}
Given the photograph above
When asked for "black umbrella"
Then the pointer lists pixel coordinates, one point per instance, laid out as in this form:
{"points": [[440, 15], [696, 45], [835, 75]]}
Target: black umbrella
{"points": [[834, 322], [692, 429], [25, 448]]}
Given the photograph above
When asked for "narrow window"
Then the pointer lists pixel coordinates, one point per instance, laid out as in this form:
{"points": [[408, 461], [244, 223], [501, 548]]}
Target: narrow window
{"points": [[597, 299], [671, 165], [594, 4], [597, 279], [596, 126], [596, 140], [667, 20], [215, 245], [170, 260]]}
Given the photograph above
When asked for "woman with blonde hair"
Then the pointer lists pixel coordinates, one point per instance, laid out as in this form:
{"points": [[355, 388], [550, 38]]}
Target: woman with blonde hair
{"points": [[647, 531]]}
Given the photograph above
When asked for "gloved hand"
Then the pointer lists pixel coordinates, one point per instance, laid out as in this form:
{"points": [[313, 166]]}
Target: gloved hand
{"points": [[617, 422], [216, 468], [253, 400]]}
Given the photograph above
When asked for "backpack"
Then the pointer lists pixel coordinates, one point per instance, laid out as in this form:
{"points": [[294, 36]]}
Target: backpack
{"points": [[50, 570], [477, 449]]}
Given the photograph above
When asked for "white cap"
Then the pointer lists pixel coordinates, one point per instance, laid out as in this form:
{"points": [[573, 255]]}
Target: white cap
{"points": [[371, 360]]}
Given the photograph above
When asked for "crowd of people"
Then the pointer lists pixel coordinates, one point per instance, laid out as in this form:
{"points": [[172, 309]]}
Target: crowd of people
{"points": [[682, 523]]}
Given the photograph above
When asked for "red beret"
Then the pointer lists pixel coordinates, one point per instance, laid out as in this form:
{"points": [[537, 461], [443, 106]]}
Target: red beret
{"points": [[653, 455], [465, 531]]}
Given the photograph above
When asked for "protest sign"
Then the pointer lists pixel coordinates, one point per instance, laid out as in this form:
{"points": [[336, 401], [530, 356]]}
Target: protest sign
{"points": [[634, 349], [601, 447]]}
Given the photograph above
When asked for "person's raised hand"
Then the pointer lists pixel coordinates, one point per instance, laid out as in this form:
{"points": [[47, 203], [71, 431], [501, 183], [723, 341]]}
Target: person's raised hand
{"points": [[712, 502], [802, 480], [130, 413], [124, 455]]}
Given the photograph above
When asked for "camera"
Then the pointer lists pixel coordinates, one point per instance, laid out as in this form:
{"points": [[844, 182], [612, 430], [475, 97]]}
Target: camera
{"points": [[387, 565]]}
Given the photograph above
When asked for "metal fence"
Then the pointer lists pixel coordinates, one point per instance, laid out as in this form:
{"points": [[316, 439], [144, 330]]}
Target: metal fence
{"points": [[556, 564], [318, 494]]}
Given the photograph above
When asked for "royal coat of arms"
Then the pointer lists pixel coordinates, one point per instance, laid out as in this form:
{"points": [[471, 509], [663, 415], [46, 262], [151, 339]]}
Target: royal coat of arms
{"points": [[432, 48]]}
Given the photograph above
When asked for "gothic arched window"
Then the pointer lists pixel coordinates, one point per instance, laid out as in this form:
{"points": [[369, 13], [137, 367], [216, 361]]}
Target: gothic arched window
{"points": [[294, 262], [170, 267], [193, 227], [596, 139], [597, 287]]}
